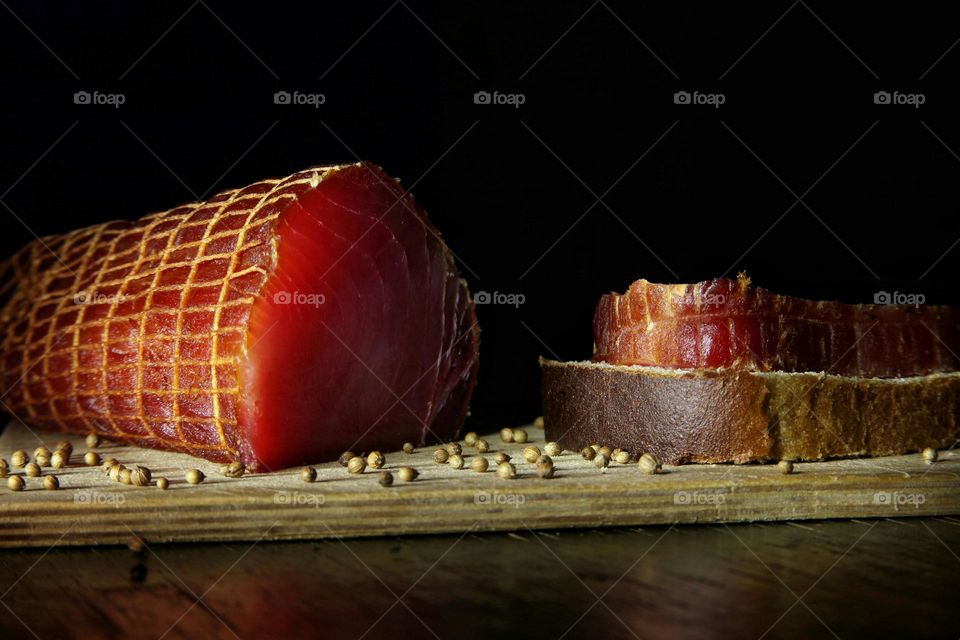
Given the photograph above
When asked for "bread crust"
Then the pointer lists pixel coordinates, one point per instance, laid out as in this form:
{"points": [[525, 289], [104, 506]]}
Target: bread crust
{"points": [[726, 415]]}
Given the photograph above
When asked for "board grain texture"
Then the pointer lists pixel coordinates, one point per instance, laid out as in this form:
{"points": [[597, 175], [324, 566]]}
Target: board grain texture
{"points": [[89, 508]]}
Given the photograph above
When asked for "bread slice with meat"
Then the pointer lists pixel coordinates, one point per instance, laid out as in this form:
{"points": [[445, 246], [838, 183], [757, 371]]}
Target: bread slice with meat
{"points": [[726, 415]]}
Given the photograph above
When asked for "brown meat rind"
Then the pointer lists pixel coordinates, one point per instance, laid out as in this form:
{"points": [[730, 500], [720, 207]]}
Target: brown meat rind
{"points": [[723, 415]]}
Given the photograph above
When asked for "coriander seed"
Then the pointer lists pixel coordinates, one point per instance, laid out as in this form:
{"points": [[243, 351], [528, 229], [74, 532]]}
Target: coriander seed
{"points": [[785, 467], [501, 457], [538, 422], [408, 447], [552, 449], [455, 461], [115, 472], [519, 436], [440, 456], [506, 434], [91, 458], [345, 458], [195, 476], [107, 464], [385, 479], [930, 455], [622, 457], [141, 476], [4, 468], [308, 474], [506, 471], [454, 449], [126, 476], [92, 441], [471, 439], [43, 461], [235, 469], [40, 452], [601, 461], [59, 459], [607, 451], [375, 460], [356, 465], [588, 453], [479, 464], [162, 484], [649, 463], [545, 467], [19, 459], [32, 469], [15, 483], [531, 453], [408, 474], [482, 446], [51, 483], [65, 447]]}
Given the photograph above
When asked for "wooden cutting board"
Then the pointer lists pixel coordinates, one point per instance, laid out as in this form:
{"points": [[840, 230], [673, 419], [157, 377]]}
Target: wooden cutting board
{"points": [[89, 508]]}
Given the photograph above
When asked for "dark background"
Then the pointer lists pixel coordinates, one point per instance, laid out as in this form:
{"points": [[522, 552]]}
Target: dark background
{"points": [[505, 185]]}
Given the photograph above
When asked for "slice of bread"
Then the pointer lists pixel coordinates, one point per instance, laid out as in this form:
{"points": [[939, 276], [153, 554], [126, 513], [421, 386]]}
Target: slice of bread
{"points": [[725, 415]]}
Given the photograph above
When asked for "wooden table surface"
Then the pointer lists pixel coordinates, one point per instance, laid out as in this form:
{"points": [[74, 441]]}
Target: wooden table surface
{"points": [[819, 579]]}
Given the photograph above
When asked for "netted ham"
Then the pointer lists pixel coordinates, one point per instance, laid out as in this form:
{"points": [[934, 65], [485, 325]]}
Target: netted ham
{"points": [[277, 324], [728, 323]]}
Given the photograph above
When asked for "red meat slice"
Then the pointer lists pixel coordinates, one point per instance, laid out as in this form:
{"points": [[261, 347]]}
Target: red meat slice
{"points": [[728, 323]]}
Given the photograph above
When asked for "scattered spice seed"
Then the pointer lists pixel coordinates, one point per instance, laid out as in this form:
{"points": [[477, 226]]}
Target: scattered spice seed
{"points": [[408, 447], [141, 476], [519, 436], [4, 469], [595, 447], [15, 483], [601, 461], [43, 461], [345, 458], [531, 453], [59, 459], [19, 459], [552, 449], [308, 474], [588, 453], [785, 467], [506, 434], [115, 471], [545, 467], [51, 483], [195, 476], [471, 439], [440, 456], [235, 469], [506, 471], [65, 447], [479, 464], [126, 476], [408, 474], [455, 461], [91, 458], [162, 484], [375, 460], [40, 452], [930, 455], [32, 469], [386, 479], [454, 449], [482, 446], [136, 544], [501, 457], [622, 457], [92, 441], [607, 451], [356, 465], [538, 422], [649, 463], [108, 464]]}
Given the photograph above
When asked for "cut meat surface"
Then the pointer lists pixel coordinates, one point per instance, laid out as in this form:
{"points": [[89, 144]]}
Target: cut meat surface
{"points": [[277, 324], [724, 323]]}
